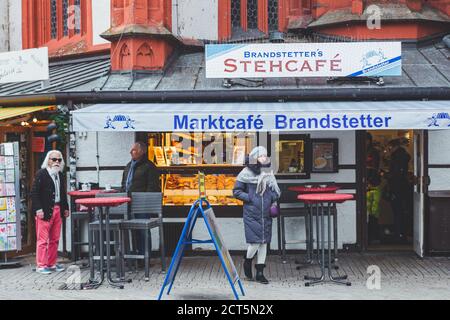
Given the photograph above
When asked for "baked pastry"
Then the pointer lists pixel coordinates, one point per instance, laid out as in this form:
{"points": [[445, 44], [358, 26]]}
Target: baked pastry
{"points": [[212, 199]]}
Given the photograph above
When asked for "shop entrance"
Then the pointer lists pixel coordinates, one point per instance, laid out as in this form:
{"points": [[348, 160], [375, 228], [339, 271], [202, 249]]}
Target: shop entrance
{"points": [[394, 190]]}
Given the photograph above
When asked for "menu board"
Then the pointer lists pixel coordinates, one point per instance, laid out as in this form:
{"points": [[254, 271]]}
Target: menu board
{"points": [[159, 155], [229, 265], [325, 155], [10, 232]]}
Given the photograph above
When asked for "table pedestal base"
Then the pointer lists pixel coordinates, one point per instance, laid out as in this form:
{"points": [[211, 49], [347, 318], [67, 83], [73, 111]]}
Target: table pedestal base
{"points": [[325, 264], [94, 284]]}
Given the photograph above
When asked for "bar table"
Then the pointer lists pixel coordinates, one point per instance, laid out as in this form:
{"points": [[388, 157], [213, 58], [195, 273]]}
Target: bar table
{"points": [[309, 219], [104, 204], [319, 201]]}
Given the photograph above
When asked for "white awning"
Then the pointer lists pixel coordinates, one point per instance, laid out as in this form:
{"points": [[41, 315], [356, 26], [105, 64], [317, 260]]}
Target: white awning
{"points": [[255, 116]]}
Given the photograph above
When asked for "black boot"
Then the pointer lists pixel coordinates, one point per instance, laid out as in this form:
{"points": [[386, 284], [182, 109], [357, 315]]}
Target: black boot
{"points": [[248, 268], [260, 274]]}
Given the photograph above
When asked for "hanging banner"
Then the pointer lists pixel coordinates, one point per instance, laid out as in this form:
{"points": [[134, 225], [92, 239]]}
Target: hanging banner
{"points": [[382, 115], [346, 59], [25, 65]]}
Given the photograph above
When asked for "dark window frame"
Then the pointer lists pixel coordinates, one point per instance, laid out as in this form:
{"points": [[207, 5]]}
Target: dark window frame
{"points": [[54, 19], [246, 18]]}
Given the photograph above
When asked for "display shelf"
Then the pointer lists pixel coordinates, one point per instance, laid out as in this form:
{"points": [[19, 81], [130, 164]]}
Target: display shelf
{"points": [[206, 168], [188, 136], [180, 150], [194, 192], [212, 204]]}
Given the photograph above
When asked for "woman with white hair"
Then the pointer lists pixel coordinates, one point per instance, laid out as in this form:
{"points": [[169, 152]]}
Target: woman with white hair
{"points": [[257, 187], [49, 204]]}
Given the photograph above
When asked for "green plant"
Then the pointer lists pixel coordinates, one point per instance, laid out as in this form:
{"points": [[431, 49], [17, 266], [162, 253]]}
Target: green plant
{"points": [[62, 121]]}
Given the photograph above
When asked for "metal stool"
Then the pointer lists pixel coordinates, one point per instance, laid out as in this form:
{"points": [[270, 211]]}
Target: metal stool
{"points": [[76, 221], [293, 210]]}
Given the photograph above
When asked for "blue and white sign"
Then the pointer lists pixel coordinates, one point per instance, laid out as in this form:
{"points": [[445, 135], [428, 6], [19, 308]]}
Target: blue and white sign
{"points": [[290, 116], [346, 59]]}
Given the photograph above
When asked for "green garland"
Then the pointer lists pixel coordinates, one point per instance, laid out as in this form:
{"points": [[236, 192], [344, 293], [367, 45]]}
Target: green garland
{"points": [[62, 121]]}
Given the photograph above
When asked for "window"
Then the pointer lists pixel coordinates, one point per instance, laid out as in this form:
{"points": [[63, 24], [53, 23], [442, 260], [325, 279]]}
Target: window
{"points": [[252, 14], [236, 13], [77, 16], [254, 17], [65, 15], [54, 19], [69, 14], [273, 15]]}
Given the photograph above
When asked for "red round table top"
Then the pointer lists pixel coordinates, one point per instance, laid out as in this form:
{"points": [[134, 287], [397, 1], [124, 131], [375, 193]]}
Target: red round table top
{"points": [[325, 197], [303, 189], [88, 194], [103, 202]]}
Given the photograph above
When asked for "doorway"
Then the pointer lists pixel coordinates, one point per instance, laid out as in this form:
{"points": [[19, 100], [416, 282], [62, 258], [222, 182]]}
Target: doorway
{"points": [[393, 159]]}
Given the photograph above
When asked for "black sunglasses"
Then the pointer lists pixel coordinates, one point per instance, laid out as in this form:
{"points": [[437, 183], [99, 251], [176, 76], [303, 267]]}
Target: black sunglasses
{"points": [[56, 159]]}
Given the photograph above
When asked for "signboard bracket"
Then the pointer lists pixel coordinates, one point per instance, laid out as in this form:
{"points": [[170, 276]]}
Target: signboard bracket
{"points": [[339, 80]]}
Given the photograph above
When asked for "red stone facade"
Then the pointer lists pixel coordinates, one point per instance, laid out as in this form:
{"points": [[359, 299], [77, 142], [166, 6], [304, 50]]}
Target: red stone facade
{"points": [[140, 34], [37, 28], [141, 37], [295, 14]]}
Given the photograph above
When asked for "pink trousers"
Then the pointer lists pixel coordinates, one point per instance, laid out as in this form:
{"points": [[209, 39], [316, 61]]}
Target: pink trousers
{"points": [[48, 234]]}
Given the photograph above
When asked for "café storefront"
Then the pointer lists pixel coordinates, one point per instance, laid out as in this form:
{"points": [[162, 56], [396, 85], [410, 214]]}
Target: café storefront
{"points": [[309, 142], [296, 113]]}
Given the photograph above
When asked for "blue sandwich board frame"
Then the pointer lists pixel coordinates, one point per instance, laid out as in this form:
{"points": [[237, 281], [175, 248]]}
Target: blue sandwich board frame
{"points": [[202, 209]]}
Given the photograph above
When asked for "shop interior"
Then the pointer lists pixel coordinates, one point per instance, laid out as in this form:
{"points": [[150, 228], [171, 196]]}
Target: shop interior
{"points": [[390, 176], [30, 131], [180, 156]]}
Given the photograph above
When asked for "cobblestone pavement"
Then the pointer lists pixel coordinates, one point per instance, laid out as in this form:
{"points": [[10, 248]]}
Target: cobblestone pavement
{"points": [[403, 276]]}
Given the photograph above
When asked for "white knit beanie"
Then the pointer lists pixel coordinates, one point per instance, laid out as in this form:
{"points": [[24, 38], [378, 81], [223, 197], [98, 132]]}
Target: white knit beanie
{"points": [[258, 152]]}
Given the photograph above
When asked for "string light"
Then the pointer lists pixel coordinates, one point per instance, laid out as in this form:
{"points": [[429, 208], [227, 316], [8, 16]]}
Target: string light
{"points": [[35, 120]]}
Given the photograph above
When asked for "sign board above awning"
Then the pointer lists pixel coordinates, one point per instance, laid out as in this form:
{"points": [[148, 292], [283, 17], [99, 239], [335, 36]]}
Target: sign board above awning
{"points": [[25, 65], [346, 59], [291, 116]]}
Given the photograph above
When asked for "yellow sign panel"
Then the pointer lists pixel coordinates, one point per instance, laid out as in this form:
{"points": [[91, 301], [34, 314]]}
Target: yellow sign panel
{"points": [[201, 185]]}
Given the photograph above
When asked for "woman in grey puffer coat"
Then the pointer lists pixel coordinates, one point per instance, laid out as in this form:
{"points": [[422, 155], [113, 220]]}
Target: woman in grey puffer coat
{"points": [[257, 187]]}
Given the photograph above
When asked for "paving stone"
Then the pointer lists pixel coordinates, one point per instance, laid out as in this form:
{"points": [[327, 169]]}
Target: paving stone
{"points": [[403, 276]]}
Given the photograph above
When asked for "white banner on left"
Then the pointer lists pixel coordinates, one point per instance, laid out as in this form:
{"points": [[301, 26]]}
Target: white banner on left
{"points": [[25, 65]]}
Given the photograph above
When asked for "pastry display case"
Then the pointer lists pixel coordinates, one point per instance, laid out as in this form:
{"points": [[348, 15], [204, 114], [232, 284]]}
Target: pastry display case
{"points": [[220, 156], [182, 190], [181, 156]]}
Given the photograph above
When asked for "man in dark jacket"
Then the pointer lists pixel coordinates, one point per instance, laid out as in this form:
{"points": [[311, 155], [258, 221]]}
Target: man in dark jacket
{"points": [[49, 204], [140, 175]]}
